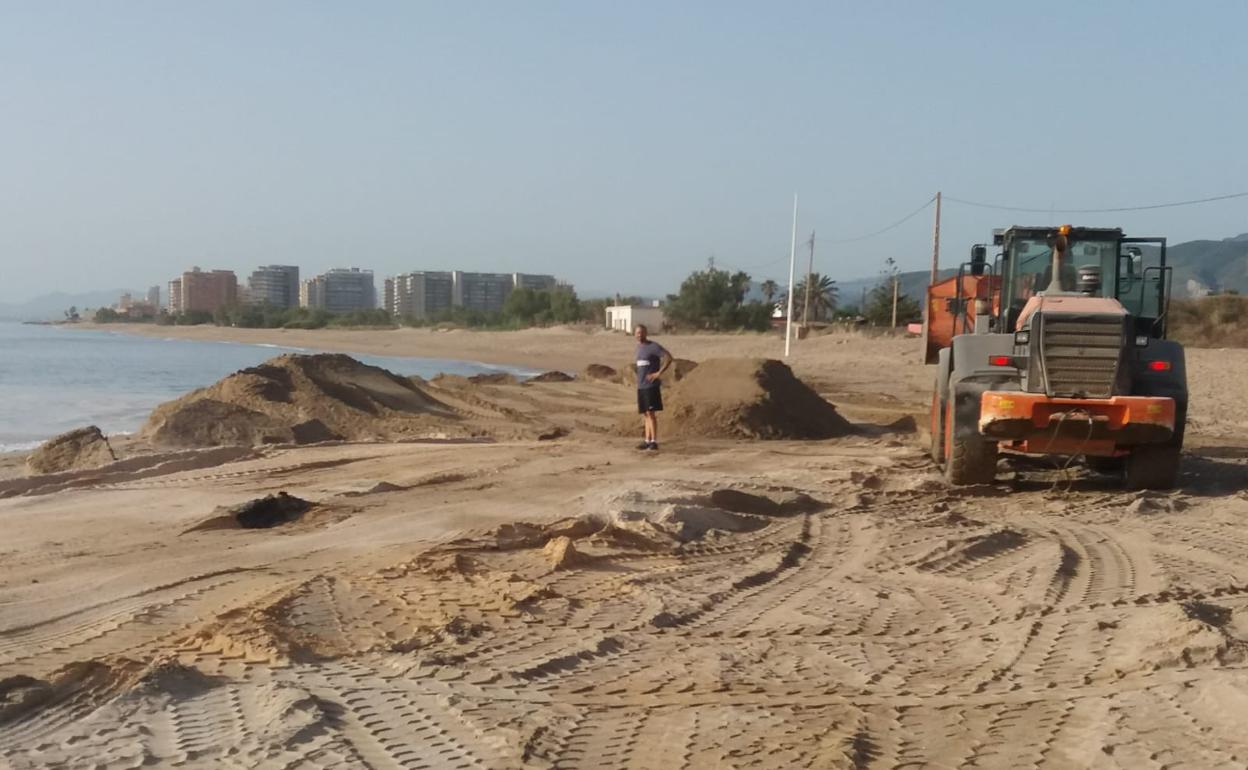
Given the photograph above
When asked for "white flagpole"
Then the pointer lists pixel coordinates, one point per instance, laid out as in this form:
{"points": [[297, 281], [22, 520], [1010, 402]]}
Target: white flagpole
{"points": [[788, 316]]}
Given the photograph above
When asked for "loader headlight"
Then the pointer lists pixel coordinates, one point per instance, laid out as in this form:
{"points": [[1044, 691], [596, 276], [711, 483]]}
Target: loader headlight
{"points": [[1141, 341], [1023, 337]]}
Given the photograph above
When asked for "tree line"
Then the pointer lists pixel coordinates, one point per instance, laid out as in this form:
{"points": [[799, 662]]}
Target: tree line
{"points": [[712, 299], [715, 299]]}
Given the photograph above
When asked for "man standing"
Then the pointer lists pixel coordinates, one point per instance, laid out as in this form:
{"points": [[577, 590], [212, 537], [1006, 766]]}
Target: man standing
{"points": [[652, 360]]}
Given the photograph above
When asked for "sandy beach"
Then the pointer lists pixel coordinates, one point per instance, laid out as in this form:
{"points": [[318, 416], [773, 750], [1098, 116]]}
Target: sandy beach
{"points": [[530, 591]]}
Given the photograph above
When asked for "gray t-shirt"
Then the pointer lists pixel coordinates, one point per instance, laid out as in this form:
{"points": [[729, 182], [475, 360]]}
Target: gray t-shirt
{"points": [[649, 360]]}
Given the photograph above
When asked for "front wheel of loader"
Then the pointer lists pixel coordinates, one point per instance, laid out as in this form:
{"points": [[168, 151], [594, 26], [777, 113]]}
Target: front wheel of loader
{"points": [[969, 457]]}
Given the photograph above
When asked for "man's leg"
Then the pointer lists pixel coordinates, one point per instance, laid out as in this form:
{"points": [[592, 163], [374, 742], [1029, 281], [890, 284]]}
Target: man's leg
{"points": [[654, 427], [648, 419]]}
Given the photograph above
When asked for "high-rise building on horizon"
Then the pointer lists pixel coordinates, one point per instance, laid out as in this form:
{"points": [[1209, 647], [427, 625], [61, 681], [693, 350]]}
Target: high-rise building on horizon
{"points": [[205, 291], [174, 305], [535, 282], [481, 291], [427, 294], [422, 295], [153, 297], [274, 285], [341, 290]]}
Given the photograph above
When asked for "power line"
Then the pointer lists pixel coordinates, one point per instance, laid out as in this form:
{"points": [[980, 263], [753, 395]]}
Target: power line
{"points": [[1096, 211], [894, 225], [748, 268], [881, 231]]}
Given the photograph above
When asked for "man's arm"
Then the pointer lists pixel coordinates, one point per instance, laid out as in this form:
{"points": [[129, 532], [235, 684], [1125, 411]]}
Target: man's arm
{"points": [[666, 359]]}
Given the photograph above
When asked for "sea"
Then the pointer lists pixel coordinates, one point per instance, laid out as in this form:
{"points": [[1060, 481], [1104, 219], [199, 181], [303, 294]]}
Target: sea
{"points": [[54, 379]]}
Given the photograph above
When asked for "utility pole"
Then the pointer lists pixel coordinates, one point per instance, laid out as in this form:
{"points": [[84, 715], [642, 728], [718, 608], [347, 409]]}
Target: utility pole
{"points": [[894, 300], [810, 268], [936, 242], [788, 316]]}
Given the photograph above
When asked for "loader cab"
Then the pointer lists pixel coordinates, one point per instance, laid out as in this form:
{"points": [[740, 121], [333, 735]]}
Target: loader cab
{"points": [[1099, 262]]}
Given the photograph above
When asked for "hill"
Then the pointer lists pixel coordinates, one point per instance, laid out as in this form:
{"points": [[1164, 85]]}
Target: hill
{"points": [[52, 307], [1204, 266], [1200, 267]]}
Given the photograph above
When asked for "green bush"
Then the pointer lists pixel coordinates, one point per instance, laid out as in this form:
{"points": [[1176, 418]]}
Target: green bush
{"points": [[715, 300]]}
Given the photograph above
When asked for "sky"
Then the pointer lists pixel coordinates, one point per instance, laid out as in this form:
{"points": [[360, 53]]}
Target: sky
{"points": [[618, 146]]}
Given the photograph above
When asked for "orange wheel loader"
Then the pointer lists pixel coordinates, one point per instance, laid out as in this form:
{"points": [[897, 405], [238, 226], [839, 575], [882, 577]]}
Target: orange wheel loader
{"points": [[1057, 347]]}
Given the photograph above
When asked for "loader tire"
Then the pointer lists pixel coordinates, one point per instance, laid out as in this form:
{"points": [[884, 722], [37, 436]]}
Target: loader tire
{"points": [[1156, 466], [1152, 466], [969, 457], [1110, 466], [937, 445]]}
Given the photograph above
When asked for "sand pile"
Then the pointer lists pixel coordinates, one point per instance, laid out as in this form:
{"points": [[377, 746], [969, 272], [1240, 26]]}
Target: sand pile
{"points": [[599, 372], [552, 376], [1178, 635], [679, 370], [75, 450], [300, 399], [748, 398]]}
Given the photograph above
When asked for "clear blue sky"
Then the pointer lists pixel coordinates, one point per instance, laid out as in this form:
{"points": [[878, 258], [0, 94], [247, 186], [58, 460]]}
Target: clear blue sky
{"points": [[617, 145]]}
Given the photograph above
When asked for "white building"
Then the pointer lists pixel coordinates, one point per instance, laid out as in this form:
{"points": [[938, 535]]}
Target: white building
{"points": [[625, 318]]}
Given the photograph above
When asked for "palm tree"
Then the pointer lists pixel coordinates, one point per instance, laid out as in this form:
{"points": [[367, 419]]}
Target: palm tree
{"points": [[823, 296], [769, 289]]}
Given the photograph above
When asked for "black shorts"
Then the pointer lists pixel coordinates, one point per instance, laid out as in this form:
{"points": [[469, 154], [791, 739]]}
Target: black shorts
{"points": [[649, 400]]}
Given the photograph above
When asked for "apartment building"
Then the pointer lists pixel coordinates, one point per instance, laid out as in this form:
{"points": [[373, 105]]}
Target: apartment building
{"points": [[341, 290], [425, 294], [274, 285], [175, 297], [535, 282], [481, 291], [204, 291], [421, 295]]}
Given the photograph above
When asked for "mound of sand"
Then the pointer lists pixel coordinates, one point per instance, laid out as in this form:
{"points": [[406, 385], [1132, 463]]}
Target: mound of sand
{"points": [[599, 372], [494, 378], [748, 398], [299, 399], [679, 370], [553, 376], [75, 450], [261, 513], [1177, 635]]}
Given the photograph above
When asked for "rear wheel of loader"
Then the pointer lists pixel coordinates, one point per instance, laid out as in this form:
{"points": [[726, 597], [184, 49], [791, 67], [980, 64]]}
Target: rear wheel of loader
{"points": [[1152, 466], [1156, 466], [969, 457]]}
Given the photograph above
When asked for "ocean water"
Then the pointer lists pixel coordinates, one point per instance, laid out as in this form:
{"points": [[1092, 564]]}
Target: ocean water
{"points": [[54, 379]]}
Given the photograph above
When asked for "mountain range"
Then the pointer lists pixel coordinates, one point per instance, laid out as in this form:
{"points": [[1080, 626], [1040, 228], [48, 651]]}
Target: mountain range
{"points": [[1200, 267], [52, 307]]}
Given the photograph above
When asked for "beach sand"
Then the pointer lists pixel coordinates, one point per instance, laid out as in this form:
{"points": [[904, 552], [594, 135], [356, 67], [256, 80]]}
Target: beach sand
{"points": [[570, 602]]}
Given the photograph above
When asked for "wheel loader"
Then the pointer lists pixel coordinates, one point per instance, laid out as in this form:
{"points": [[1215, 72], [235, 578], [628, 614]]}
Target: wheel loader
{"points": [[1057, 347]]}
